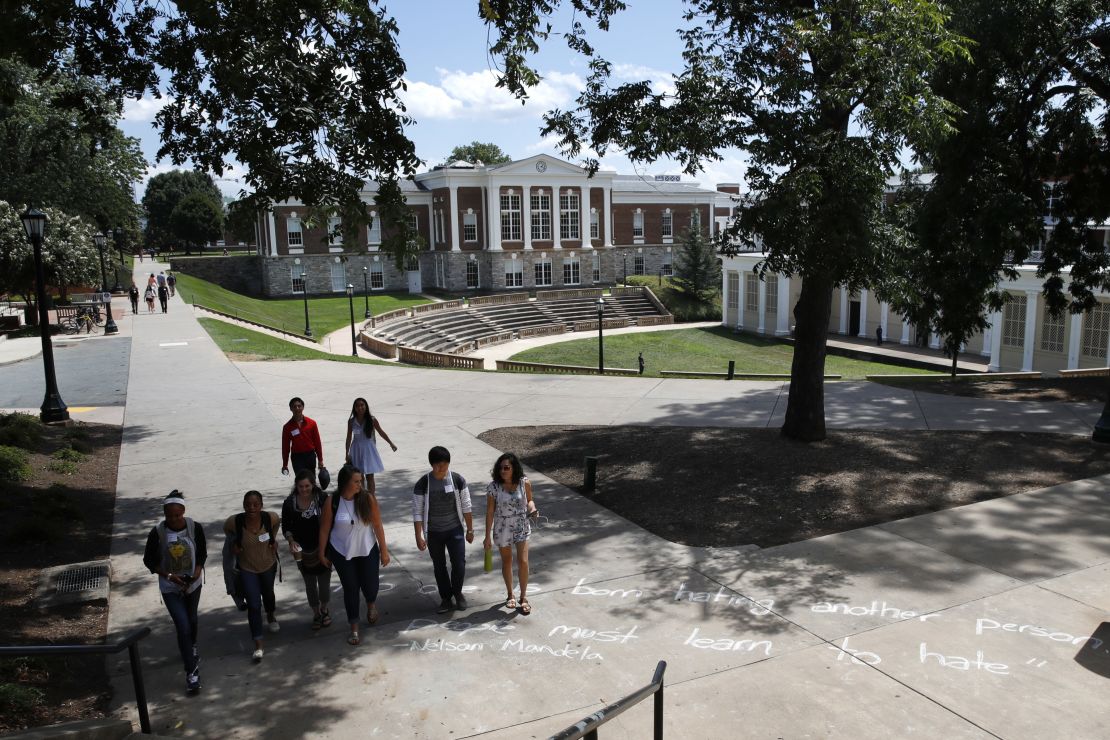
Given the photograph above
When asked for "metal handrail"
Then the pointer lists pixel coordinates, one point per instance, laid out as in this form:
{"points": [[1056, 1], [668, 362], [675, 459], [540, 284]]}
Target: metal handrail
{"points": [[587, 727], [131, 642]]}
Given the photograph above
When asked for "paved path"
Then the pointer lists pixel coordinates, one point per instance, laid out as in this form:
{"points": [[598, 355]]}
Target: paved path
{"points": [[973, 622]]}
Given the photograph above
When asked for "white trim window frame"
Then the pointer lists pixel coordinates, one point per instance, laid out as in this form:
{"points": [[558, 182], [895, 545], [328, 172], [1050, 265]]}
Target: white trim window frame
{"points": [[751, 291], [294, 232], [541, 216], [335, 232], [667, 226], [668, 264], [570, 215], [470, 226], [377, 276], [638, 224], [1096, 332], [338, 277], [1052, 332], [595, 224], [733, 290], [638, 264], [572, 271], [296, 282], [596, 267], [541, 269], [1013, 321], [510, 217], [772, 294], [374, 232], [473, 275], [514, 273]]}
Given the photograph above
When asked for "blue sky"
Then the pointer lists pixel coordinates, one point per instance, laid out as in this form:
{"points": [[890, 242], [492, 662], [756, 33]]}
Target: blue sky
{"points": [[452, 96]]}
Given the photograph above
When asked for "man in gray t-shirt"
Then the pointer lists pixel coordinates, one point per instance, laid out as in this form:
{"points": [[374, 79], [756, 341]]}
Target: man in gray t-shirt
{"points": [[440, 512]]}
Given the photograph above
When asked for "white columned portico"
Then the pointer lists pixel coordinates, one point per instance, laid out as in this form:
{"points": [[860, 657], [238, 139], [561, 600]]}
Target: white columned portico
{"points": [[273, 232], [607, 216], [987, 334], [453, 203], [1030, 330], [996, 342], [494, 217], [863, 313], [432, 226], [905, 331], [783, 308], [724, 297], [843, 312], [1075, 333], [556, 221], [762, 328], [740, 299], [884, 319], [526, 206], [584, 216]]}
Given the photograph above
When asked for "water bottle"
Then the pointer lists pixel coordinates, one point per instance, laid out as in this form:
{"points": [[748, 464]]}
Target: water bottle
{"points": [[488, 564]]}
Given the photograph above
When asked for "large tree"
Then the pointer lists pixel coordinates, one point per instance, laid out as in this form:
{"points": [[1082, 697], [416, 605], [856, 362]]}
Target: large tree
{"points": [[197, 219], [304, 95], [821, 94], [163, 194], [477, 151]]}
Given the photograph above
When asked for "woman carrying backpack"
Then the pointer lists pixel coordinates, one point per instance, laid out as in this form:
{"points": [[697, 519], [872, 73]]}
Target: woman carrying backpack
{"points": [[351, 527], [255, 547], [148, 295], [176, 551], [300, 523]]}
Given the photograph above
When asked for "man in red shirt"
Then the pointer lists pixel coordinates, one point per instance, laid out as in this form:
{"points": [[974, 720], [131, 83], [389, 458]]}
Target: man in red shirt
{"points": [[300, 441]]}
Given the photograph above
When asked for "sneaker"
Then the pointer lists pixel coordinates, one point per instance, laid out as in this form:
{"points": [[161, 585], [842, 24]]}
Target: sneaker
{"points": [[257, 655], [274, 626], [192, 683], [460, 602], [444, 606]]}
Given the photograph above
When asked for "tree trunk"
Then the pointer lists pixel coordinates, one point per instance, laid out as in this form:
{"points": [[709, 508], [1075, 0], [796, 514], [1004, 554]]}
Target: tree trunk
{"points": [[955, 356], [805, 409]]}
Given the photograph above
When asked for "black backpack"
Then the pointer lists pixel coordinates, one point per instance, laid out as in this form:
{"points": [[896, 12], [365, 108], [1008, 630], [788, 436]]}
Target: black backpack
{"points": [[240, 523]]}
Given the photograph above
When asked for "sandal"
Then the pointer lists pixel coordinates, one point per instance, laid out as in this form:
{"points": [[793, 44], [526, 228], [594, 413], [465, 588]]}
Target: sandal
{"points": [[325, 618], [510, 603], [525, 607], [371, 614], [354, 639], [317, 621]]}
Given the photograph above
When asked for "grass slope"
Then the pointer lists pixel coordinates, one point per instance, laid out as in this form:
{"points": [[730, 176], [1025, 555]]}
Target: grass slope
{"points": [[697, 350]]}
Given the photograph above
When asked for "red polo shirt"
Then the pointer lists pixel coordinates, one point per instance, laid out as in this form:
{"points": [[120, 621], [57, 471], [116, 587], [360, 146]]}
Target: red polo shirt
{"points": [[307, 439]]}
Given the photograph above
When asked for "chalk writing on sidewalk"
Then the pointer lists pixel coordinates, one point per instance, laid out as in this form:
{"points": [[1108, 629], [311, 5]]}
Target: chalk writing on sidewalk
{"points": [[982, 625], [581, 633], [723, 596], [960, 663], [857, 657], [726, 644]]}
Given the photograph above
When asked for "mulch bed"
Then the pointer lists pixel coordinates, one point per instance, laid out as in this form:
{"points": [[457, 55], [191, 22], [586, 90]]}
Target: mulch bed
{"points": [[1043, 389], [55, 518]]}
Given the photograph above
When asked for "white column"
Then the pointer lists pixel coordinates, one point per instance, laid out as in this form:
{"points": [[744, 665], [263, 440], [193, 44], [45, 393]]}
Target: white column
{"points": [[1030, 330], [884, 319], [724, 296], [934, 341], [453, 201], [556, 225], [762, 307], [740, 301], [273, 232], [783, 309], [495, 218], [1075, 333], [843, 311], [995, 363], [584, 216], [905, 332], [863, 313], [987, 336], [526, 207], [607, 216]]}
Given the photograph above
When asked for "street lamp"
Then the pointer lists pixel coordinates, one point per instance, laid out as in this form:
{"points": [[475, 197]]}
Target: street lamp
{"points": [[351, 304], [304, 293], [366, 291], [53, 408], [110, 326], [625, 281], [600, 338]]}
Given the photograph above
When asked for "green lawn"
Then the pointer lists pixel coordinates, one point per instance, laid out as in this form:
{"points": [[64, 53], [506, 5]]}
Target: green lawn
{"points": [[325, 314], [237, 340], [697, 350]]}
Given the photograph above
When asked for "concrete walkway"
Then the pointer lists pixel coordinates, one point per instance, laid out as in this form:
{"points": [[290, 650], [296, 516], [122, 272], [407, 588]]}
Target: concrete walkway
{"points": [[973, 622]]}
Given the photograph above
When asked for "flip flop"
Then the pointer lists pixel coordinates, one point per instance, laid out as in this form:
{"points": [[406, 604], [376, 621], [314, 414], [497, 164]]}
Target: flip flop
{"points": [[354, 639], [510, 603], [525, 607], [325, 619]]}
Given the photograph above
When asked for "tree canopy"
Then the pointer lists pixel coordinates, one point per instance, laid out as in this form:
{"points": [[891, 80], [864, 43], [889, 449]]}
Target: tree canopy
{"points": [[197, 219], [163, 194], [69, 255], [477, 151], [696, 269]]}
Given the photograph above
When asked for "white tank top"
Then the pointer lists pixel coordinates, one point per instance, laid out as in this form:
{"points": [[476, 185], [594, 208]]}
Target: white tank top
{"points": [[349, 536]]}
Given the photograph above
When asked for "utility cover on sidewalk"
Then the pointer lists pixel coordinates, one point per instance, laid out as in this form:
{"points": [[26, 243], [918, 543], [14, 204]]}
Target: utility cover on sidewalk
{"points": [[74, 584]]}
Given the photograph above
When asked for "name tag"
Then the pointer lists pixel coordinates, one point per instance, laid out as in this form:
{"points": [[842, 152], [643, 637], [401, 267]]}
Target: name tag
{"points": [[264, 537], [294, 433], [448, 485], [342, 517], [171, 536]]}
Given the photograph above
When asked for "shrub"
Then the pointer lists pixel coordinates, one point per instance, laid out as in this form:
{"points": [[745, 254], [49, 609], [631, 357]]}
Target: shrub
{"points": [[20, 430], [68, 454], [13, 464], [62, 467], [19, 699], [681, 305]]}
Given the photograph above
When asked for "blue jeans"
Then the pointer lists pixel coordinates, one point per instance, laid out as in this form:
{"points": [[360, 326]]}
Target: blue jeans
{"points": [[356, 574], [259, 590], [442, 545], [183, 611]]}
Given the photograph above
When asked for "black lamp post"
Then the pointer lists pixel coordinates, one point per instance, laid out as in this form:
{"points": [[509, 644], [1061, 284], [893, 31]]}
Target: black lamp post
{"points": [[110, 326], [600, 338], [366, 291], [351, 304], [53, 409], [304, 294], [625, 281]]}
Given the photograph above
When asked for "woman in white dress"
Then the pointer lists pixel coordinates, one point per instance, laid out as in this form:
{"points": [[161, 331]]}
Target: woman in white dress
{"points": [[509, 506], [362, 448]]}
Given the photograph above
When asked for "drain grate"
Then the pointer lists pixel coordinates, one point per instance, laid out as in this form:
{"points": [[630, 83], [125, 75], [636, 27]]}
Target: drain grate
{"points": [[81, 578]]}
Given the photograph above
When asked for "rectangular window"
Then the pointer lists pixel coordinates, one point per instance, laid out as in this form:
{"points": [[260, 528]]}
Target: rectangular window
{"points": [[569, 215], [638, 265], [541, 217], [597, 267], [412, 264], [1052, 333], [595, 224], [295, 277], [733, 291], [293, 232], [414, 222], [335, 232], [377, 276], [668, 264], [472, 275], [638, 224], [572, 272], [1096, 332], [543, 272], [510, 218], [668, 224], [514, 273], [374, 231], [470, 227], [751, 292], [1013, 321], [338, 277], [773, 295]]}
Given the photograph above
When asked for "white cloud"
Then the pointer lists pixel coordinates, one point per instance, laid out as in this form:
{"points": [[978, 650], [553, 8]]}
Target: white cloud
{"points": [[475, 95], [429, 101], [662, 82], [144, 108]]}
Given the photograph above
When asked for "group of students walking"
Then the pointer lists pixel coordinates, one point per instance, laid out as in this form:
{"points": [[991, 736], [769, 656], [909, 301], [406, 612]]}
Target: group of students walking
{"points": [[342, 531], [162, 286]]}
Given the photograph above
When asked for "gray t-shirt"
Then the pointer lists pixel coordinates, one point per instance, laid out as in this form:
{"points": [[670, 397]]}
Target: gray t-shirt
{"points": [[443, 515]]}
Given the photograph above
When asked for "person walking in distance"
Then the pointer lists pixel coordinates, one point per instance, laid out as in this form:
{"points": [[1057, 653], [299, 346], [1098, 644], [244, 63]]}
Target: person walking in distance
{"points": [[300, 442], [440, 510], [148, 296], [133, 294], [171, 283], [164, 297]]}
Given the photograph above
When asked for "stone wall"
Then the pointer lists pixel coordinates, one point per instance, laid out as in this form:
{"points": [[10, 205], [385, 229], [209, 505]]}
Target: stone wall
{"points": [[239, 274], [277, 273]]}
